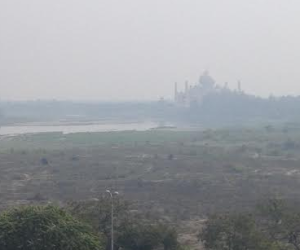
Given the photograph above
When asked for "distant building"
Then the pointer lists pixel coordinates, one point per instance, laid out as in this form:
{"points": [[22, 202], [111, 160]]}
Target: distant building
{"points": [[195, 93]]}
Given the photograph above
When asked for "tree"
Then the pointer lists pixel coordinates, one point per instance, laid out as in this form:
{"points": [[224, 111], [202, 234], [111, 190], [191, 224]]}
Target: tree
{"points": [[292, 229], [281, 223], [44, 228], [169, 237], [132, 231], [148, 237], [271, 214], [139, 237], [97, 214], [234, 232]]}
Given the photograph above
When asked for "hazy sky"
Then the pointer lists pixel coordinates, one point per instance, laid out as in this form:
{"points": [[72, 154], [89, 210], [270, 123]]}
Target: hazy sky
{"points": [[137, 49]]}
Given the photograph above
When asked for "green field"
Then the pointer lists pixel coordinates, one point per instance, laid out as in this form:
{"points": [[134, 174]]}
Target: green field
{"points": [[175, 175], [181, 176]]}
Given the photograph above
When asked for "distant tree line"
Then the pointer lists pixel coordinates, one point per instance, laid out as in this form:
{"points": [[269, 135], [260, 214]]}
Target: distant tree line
{"points": [[227, 106], [217, 107]]}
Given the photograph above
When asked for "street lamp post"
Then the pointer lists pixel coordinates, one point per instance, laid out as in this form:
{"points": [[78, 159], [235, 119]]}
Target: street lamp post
{"points": [[112, 194]]}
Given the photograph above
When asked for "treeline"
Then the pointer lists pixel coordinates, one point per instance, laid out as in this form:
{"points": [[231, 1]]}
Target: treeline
{"points": [[87, 226], [237, 108], [274, 226], [45, 110], [83, 226], [238, 105], [86, 111], [221, 107]]}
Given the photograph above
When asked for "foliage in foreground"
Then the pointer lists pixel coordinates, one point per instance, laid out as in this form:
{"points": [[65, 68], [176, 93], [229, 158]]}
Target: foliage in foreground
{"points": [[148, 237], [237, 232], [276, 226], [131, 231], [44, 228]]}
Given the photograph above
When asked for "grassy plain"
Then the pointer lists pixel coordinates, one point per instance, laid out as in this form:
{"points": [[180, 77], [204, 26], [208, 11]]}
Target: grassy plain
{"points": [[175, 175]]}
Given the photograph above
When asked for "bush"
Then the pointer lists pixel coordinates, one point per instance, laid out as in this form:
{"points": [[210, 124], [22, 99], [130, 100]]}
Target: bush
{"points": [[234, 232], [132, 232], [148, 237], [44, 228]]}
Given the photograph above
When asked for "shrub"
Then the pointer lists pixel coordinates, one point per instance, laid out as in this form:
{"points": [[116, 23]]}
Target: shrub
{"points": [[44, 228]]}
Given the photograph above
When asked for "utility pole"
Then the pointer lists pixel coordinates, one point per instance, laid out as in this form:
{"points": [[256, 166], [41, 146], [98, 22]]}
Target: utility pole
{"points": [[112, 194]]}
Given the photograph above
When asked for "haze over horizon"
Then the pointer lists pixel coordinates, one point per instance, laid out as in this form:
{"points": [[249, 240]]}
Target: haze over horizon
{"points": [[136, 50]]}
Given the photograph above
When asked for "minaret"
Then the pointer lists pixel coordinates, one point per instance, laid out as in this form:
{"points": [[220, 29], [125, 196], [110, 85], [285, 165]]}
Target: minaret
{"points": [[239, 86], [175, 92], [186, 87]]}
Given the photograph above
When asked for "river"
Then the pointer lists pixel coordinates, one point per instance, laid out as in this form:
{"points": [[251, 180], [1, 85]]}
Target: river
{"points": [[75, 128]]}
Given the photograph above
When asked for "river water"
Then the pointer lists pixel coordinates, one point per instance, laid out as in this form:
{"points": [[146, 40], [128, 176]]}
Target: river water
{"points": [[75, 128]]}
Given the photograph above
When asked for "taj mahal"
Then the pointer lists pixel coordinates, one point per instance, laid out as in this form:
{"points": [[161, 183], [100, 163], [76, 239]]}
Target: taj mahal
{"points": [[196, 93]]}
